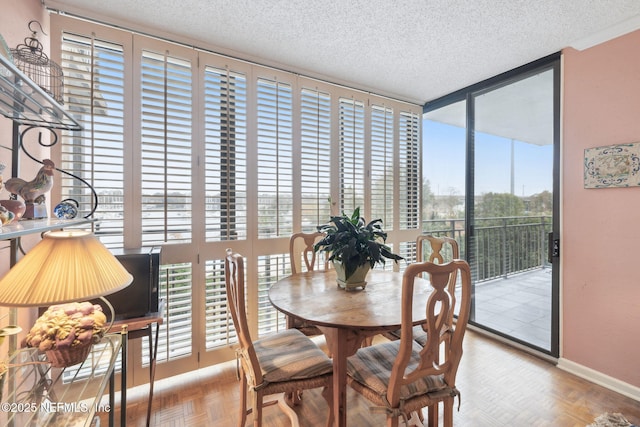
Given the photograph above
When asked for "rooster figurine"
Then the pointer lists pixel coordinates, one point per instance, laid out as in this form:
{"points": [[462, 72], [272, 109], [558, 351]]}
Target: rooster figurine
{"points": [[33, 191]]}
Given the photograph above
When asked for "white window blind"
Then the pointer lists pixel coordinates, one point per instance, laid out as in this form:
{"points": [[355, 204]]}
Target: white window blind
{"points": [[352, 154], [94, 94], [225, 100], [271, 268], [166, 128], [382, 151], [409, 166], [408, 252], [315, 162], [275, 158], [175, 339], [219, 324]]}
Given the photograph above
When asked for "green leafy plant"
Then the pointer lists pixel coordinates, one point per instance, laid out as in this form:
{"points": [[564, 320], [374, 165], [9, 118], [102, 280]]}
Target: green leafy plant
{"points": [[350, 240]]}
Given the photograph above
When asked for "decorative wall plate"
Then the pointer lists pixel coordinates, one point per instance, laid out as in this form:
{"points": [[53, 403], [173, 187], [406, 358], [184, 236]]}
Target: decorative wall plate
{"points": [[612, 166]]}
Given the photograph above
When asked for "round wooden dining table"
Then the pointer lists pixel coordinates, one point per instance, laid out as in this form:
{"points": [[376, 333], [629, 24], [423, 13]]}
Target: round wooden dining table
{"points": [[347, 317]]}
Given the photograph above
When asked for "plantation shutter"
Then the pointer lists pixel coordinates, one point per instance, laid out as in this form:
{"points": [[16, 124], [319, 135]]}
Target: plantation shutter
{"points": [[166, 127], [409, 164], [275, 158], [382, 151], [315, 162], [219, 324], [94, 94], [271, 268], [352, 149], [175, 336], [225, 100]]}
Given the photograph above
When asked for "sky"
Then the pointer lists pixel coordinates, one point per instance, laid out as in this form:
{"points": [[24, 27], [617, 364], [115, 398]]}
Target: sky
{"points": [[444, 162]]}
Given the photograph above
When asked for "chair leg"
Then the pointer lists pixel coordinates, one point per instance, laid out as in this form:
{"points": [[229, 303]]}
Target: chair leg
{"points": [[448, 412], [242, 419], [257, 408], [393, 421], [286, 408], [293, 398], [327, 393], [432, 415]]}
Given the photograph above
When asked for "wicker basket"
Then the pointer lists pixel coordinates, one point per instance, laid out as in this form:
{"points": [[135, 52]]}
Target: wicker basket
{"points": [[62, 358]]}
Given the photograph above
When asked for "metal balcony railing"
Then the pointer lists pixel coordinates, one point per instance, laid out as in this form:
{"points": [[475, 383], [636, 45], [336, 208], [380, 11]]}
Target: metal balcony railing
{"points": [[502, 246]]}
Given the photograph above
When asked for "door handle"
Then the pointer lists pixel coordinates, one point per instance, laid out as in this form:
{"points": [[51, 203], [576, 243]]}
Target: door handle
{"points": [[553, 248]]}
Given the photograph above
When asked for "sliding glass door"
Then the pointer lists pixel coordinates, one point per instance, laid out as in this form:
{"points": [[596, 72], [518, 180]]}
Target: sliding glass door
{"points": [[505, 214]]}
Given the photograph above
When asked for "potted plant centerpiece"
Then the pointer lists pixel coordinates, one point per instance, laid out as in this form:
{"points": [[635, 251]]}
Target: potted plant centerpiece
{"points": [[354, 246]]}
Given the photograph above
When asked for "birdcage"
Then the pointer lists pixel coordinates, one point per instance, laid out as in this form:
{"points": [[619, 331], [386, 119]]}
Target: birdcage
{"points": [[35, 64]]}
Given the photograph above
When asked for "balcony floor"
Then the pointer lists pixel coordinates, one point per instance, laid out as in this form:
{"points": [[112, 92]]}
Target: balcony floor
{"points": [[519, 306]]}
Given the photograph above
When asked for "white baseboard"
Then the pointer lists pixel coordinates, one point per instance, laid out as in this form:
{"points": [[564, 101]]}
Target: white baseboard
{"points": [[599, 378]]}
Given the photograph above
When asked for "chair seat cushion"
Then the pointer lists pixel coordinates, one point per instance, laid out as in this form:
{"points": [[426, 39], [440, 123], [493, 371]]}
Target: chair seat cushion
{"points": [[371, 367], [418, 334], [290, 355]]}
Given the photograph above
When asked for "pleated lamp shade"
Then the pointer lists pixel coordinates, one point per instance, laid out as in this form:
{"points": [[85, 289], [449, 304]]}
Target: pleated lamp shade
{"points": [[64, 266]]}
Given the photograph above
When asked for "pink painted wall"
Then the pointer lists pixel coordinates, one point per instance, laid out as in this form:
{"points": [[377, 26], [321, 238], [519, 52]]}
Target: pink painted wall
{"points": [[13, 28], [601, 227], [14, 18]]}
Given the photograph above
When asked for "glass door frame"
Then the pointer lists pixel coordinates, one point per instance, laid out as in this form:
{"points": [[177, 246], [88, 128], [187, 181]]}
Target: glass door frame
{"points": [[468, 94]]}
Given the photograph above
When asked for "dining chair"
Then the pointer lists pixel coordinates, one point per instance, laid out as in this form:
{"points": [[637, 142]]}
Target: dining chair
{"points": [[436, 249], [442, 249], [303, 258], [401, 376], [285, 362]]}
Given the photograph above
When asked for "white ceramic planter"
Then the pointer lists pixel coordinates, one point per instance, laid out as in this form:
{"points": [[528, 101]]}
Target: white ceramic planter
{"points": [[355, 281]]}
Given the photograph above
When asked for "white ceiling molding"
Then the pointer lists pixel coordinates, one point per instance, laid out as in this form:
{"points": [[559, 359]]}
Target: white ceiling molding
{"points": [[626, 27]]}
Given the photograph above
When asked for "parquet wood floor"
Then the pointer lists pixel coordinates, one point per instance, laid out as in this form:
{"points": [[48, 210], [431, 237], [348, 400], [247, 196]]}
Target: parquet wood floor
{"points": [[501, 386]]}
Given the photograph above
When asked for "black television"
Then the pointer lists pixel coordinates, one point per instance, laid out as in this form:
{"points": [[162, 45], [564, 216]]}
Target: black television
{"points": [[141, 297]]}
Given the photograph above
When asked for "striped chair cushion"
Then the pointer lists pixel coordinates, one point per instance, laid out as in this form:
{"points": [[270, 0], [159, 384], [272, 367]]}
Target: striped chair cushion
{"points": [[418, 334], [371, 367], [290, 355]]}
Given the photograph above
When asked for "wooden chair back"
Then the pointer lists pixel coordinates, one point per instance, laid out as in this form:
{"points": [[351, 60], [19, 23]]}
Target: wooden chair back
{"points": [[234, 282], [303, 258], [441, 249], [443, 350], [301, 253]]}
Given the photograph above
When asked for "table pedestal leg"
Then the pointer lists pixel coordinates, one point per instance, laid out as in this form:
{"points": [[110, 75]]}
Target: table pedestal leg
{"points": [[342, 343]]}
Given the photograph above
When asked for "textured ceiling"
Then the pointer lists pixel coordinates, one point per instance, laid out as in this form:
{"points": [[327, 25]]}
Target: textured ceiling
{"points": [[415, 50]]}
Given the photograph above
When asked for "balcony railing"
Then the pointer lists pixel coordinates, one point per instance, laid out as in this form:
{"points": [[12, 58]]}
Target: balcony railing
{"points": [[502, 246]]}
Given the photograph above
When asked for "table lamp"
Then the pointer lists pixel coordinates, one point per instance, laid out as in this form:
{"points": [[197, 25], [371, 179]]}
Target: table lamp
{"points": [[64, 267]]}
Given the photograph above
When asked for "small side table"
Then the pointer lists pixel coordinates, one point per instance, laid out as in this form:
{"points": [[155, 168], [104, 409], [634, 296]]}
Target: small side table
{"points": [[139, 327]]}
